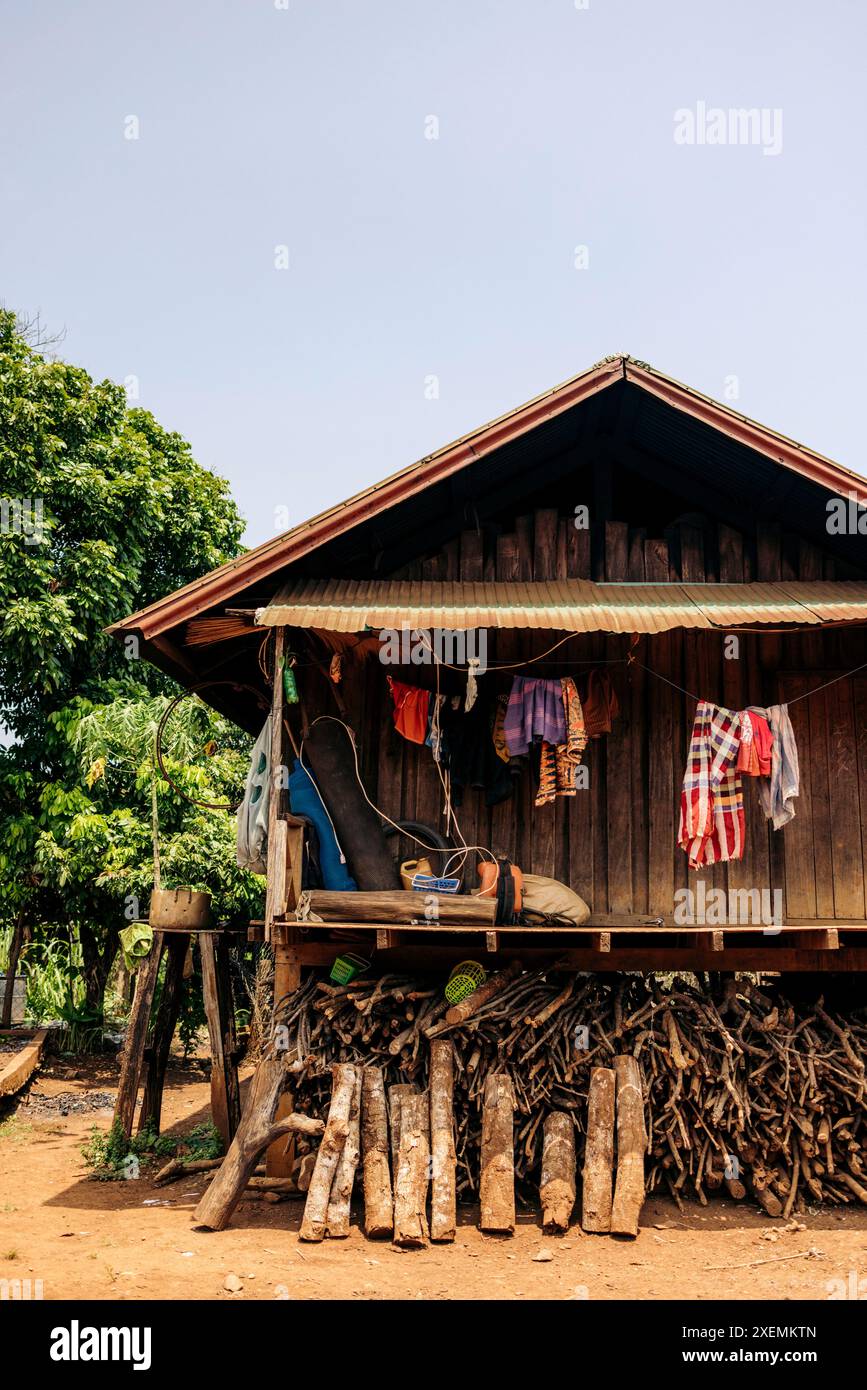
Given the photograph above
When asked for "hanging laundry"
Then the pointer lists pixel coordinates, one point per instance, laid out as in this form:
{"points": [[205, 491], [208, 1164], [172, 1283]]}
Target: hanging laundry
{"points": [[470, 756], [559, 763], [600, 704], [779, 790], [411, 710], [498, 730], [535, 713], [711, 828], [754, 756]]}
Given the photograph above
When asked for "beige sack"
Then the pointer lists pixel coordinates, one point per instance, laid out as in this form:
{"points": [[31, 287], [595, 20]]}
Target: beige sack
{"points": [[548, 895]]}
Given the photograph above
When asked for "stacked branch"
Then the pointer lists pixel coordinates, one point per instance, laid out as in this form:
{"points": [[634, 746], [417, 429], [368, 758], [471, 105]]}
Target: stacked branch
{"points": [[742, 1095]]}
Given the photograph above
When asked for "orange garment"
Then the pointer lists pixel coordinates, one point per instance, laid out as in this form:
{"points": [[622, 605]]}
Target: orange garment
{"points": [[411, 710], [754, 755]]}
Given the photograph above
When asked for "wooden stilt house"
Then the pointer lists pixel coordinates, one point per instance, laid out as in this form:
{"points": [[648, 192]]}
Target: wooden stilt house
{"points": [[622, 523]]}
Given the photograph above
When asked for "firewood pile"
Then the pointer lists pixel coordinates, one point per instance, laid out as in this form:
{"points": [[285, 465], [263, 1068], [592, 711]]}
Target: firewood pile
{"points": [[744, 1093]]}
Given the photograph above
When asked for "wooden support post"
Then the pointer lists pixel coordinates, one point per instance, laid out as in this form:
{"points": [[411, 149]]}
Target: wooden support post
{"points": [[280, 1158], [340, 1199], [257, 1129], [344, 1076], [132, 1060], [411, 1181], [378, 1200], [176, 946], [275, 894], [11, 967], [631, 1144], [220, 1013], [497, 1184], [596, 1180], [443, 1210], [557, 1186]]}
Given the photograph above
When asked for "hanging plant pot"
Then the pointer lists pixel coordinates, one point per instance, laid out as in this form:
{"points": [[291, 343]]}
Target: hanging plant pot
{"points": [[179, 909]]}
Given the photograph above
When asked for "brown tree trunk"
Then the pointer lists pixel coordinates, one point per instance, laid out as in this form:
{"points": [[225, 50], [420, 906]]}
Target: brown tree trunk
{"points": [[395, 1097], [557, 1187], [443, 1205], [11, 967], [340, 1200], [336, 1132], [596, 1183], [378, 1200], [410, 1185], [497, 1185], [256, 1131], [631, 1145]]}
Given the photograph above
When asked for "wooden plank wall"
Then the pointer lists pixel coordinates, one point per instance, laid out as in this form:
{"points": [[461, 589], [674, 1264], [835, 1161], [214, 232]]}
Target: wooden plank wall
{"points": [[615, 843]]}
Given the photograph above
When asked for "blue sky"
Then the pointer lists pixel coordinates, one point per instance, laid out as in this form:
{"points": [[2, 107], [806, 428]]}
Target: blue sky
{"points": [[412, 258]]}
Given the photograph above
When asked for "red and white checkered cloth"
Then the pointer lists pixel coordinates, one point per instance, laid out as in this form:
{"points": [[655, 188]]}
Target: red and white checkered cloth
{"points": [[711, 829]]}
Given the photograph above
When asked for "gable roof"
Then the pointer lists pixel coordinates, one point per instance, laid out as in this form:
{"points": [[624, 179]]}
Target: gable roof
{"points": [[274, 555]]}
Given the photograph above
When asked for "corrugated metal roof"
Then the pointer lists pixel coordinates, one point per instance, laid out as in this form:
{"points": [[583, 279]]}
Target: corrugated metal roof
{"points": [[567, 605]]}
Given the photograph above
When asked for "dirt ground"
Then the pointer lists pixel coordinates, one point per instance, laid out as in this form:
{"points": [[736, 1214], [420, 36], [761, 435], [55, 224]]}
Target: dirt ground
{"points": [[131, 1240]]}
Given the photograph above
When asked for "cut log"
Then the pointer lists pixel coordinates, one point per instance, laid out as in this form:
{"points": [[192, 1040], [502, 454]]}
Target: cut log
{"points": [[497, 1183], [340, 1200], [395, 1096], [557, 1186], [473, 1002], [344, 1077], [394, 905], [596, 1179], [376, 1177], [443, 1204], [631, 1145], [411, 1181], [256, 1131]]}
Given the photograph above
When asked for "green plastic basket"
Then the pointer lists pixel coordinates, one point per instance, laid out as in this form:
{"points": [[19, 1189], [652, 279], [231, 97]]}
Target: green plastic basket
{"points": [[347, 967], [464, 980]]}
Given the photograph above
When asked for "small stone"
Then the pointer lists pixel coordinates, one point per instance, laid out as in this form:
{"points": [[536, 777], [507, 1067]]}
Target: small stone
{"points": [[542, 1256], [232, 1284]]}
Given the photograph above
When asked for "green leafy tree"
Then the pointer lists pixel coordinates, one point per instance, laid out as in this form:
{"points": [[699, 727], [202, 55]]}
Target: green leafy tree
{"points": [[102, 512]]}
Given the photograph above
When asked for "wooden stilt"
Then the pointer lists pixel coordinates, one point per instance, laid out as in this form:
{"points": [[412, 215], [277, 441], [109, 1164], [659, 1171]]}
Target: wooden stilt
{"points": [[11, 967], [220, 1013], [132, 1060], [176, 944]]}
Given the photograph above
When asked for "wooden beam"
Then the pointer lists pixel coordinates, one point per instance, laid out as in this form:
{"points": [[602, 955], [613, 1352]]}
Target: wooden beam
{"points": [[276, 865]]}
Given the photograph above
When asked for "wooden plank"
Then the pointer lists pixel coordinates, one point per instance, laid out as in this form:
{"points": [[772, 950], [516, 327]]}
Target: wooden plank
{"points": [[542, 854], [731, 555], [692, 567], [492, 941], [616, 550], [18, 1067], [661, 709], [176, 945], [820, 800], [472, 556], [656, 562]]}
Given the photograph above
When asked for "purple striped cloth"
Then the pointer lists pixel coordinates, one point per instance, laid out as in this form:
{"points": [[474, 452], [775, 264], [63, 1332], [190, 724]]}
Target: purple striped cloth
{"points": [[535, 711]]}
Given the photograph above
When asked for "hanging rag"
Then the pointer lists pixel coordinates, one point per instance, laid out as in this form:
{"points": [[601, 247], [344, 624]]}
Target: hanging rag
{"points": [[411, 710], [535, 713], [472, 683], [779, 790], [252, 833], [498, 732], [754, 756], [711, 828], [136, 941], [601, 705], [558, 764]]}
